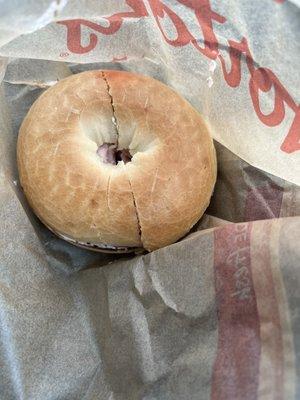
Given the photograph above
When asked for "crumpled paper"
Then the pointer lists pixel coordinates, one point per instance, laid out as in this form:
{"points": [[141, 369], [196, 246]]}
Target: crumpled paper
{"points": [[215, 315]]}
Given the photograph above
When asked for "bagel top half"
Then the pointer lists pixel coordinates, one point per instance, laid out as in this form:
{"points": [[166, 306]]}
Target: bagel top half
{"points": [[115, 158]]}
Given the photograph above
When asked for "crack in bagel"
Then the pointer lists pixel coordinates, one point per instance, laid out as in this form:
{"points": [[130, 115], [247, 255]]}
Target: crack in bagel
{"points": [[122, 153], [136, 211], [114, 117]]}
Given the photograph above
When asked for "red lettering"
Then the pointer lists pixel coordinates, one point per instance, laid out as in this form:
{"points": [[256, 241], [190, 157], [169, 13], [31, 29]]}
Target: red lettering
{"points": [[115, 21], [183, 35], [205, 16], [233, 77], [139, 11], [260, 80], [74, 35], [263, 79]]}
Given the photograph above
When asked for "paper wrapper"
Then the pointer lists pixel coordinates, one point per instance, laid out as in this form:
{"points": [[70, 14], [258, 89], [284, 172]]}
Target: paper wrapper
{"points": [[214, 316]]}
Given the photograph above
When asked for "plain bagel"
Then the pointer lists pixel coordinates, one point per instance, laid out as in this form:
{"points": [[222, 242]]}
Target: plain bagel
{"points": [[111, 159]]}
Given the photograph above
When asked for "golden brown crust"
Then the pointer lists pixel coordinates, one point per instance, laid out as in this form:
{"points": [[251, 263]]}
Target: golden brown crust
{"points": [[159, 195]]}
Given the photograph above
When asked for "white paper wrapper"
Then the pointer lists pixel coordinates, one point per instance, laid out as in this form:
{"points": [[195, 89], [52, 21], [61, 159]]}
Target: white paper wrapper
{"points": [[213, 316]]}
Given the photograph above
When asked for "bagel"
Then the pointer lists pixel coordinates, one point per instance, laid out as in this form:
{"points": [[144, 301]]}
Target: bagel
{"points": [[115, 160]]}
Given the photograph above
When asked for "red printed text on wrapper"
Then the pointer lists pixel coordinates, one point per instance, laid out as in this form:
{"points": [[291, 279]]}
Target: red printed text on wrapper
{"points": [[261, 79]]}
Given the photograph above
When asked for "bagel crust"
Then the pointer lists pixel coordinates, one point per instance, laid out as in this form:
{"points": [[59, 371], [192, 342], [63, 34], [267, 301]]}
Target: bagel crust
{"points": [[112, 158]]}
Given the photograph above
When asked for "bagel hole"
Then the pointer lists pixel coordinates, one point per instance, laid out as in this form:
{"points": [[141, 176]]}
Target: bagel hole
{"points": [[109, 154]]}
